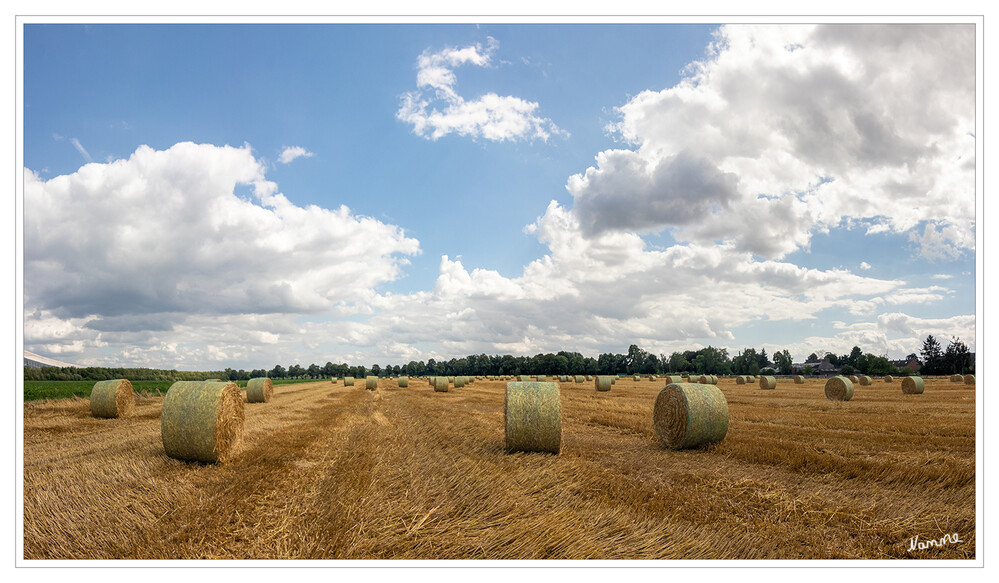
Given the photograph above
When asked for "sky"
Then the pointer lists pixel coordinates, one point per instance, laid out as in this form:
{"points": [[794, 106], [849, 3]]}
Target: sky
{"points": [[203, 196]]}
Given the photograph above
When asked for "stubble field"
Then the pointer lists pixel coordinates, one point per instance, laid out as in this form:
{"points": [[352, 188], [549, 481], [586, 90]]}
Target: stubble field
{"points": [[334, 472]]}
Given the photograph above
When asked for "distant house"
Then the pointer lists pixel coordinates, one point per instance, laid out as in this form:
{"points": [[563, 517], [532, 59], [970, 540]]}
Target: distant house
{"points": [[33, 360], [822, 367], [911, 363]]}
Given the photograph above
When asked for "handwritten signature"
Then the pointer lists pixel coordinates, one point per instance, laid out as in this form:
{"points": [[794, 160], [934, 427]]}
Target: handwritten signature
{"points": [[916, 544]]}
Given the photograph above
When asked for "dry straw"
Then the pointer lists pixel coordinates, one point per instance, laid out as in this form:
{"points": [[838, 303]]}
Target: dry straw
{"points": [[768, 383], [969, 379], [839, 388], [441, 385], [533, 417], [259, 390], [403, 382], [110, 399], [741, 380], [865, 380], [689, 415], [348, 381], [913, 386], [602, 383], [370, 383], [202, 421]]}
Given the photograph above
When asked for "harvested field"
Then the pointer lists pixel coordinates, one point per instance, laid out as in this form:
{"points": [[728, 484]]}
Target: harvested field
{"points": [[334, 472]]}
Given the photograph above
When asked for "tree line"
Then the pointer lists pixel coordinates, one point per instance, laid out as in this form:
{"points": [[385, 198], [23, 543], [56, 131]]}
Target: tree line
{"points": [[955, 359]]}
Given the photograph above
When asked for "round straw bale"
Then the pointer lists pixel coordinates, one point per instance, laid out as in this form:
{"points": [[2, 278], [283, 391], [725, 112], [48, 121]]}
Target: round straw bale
{"points": [[969, 379], [533, 417], [889, 379], [589, 378], [768, 383], [602, 383], [460, 382], [580, 378], [403, 382], [740, 380], [689, 415], [348, 381], [636, 378], [839, 388], [110, 399], [370, 382], [441, 385], [853, 379], [913, 386], [865, 380], [670, 379], [613, 378], [956, 378], [259, 390], [524, 378], [799, 380], [202, 421]]}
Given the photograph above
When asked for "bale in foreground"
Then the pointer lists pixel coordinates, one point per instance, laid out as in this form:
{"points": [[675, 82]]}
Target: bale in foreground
{"points": [[110, 399], [913, 386], [839, 388], [202, 421], [259, 390], [441, 385], [689, 415], [533, 413]]}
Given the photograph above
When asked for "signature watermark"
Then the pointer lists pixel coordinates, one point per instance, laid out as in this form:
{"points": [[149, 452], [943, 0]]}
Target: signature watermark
{"points": [[920, 545]]}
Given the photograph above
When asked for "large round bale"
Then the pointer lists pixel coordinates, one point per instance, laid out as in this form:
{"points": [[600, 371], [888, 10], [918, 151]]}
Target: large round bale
{"points": [[348, 381], [533, 417], [741, 379], [580, 379], [259, 390], [636, 378], [889, 379], [370, 382], [799, 380], [913, 386], [110, 399], [670, 379], [854, 379], [969, 379], [865, 380], [460, 382], [768, 383], [441, 385], [602, 383], [839, 388], [403, 382], [202, 421], [689, 415]]}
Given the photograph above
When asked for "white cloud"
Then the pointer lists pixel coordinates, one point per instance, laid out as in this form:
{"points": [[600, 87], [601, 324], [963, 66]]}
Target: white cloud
{"points": [[783, 131], [943, 276], [160, 243], [292, 152], [865, 265], [435, 109], [79, 148]]}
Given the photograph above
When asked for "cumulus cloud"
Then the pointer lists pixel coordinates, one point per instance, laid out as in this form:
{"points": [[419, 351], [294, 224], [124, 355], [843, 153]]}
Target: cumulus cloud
{"points": [[436, 109], [811, 127], [154, 242], [292, 152], [865, 265]]}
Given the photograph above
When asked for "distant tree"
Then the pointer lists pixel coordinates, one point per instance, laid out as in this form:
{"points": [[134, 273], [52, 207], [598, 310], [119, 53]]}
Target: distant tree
{"points": [[812, 357], [832, 358], [329, 370], [808, 370], [677, 363], [375, 370], [314, 371], [931, 356], [278, 372], [846, 370], [783, 362], [295, 371], [956, 359]]}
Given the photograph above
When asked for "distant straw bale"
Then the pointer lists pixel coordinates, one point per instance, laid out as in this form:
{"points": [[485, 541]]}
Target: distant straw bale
{"points": [[969, 379], [799, 380], [259, 390], [768, 383], [403, 382], [839, 388], [111, 399], [865, 380], [913, 386], [602, 383], [371, 383], [348, 381], [441, 385]]}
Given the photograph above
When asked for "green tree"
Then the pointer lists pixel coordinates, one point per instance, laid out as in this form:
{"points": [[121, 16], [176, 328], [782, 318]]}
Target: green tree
{"points": [[932, 355], [783, 362]]}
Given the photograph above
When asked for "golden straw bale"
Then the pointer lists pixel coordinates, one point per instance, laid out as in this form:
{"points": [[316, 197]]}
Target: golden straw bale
{"points": [[533, 414], [602, 383], [202, 421], [110, 399], [969, 379], [441, 385], [259, 390], [839, 388], [768, 383], [689, 415], [913, 386], [371, 382]]}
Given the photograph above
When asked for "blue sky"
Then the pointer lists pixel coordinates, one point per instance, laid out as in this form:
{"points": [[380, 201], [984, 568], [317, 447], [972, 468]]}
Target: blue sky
{"points": [[203, 196]]}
